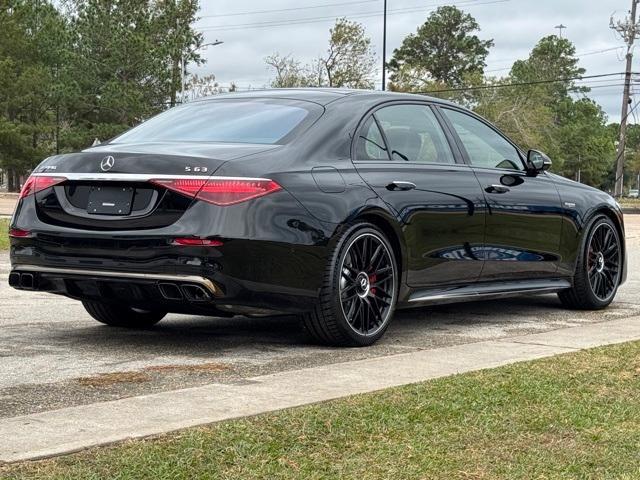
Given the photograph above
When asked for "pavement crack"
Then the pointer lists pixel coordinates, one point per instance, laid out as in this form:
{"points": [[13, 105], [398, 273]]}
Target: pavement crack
{"points": [[570, 349]]}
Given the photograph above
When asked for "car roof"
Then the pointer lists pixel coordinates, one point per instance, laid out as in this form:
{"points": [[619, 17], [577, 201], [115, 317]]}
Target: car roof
{"points": [[323, 96]]}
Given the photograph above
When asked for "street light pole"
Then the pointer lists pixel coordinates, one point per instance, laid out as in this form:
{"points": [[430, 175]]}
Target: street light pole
{"points": [[384, 48], [182, 75], [183, 67]]}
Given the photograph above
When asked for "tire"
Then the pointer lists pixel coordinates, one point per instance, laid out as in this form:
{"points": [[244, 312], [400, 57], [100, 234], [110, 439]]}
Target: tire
{"points": [[598, 268], [122, 316], [360, 290]]}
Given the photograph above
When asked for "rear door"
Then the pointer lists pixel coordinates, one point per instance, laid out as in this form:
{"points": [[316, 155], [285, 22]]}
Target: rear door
{"points": [[523, 222], [402, 152]]}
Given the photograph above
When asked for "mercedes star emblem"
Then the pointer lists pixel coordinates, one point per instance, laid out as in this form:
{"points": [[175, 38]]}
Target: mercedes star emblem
{"points": [[107, 163]]}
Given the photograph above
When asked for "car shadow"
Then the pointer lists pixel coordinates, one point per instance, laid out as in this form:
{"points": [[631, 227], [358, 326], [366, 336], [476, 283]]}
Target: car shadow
{"points": [[197, 336]]}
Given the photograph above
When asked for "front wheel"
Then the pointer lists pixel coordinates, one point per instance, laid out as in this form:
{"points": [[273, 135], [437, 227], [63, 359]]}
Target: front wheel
{"points": [[122, 316], [360, 291], [598, 268]]}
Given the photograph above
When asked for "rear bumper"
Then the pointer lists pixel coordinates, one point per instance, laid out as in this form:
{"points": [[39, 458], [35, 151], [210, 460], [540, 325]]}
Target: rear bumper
{"points": [[31, 277], [242, 276], [168, 292], [272, 258]]}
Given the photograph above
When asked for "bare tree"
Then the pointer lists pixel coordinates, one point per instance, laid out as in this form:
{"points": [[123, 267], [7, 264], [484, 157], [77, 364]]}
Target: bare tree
{"points": [[350, 62], [197, 87], [289, 72]]}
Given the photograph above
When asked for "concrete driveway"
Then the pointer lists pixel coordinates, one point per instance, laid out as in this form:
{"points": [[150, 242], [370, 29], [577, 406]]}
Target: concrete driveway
{"points": [[53, 355]]}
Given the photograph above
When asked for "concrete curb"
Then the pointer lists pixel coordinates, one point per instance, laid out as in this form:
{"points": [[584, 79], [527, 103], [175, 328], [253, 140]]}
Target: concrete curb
{"points": [[71, 429]]}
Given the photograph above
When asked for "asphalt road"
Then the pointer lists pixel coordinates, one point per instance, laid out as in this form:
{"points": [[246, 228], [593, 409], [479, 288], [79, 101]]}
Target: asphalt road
{"points": [[53, 355]]}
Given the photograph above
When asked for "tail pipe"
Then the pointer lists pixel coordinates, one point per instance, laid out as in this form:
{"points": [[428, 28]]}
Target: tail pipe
{"points": [[190, 292], [24, 281]]}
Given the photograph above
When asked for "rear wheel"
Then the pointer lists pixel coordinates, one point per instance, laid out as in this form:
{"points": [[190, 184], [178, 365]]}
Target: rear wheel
{"points": [[598, 268], [122, 316], [361, 288]]}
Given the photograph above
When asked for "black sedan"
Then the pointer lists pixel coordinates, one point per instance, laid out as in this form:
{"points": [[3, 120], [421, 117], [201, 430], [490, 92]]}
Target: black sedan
{"points": [[340, 206]]}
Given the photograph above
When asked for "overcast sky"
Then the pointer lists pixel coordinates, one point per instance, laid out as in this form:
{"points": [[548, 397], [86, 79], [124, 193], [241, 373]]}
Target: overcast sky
{"points": [[514, 25]]}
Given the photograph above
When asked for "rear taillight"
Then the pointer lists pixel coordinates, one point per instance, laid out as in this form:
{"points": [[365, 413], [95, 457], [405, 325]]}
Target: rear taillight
{"points": [[35, 184], [220, 191], [19, 233], [196, 242]]}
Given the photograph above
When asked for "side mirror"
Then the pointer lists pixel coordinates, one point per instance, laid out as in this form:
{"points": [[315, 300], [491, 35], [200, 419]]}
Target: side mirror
{"points": [[538, 161]]}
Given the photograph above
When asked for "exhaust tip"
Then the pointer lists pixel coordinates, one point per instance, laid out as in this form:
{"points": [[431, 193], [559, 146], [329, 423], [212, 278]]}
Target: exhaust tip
{"points": [[27, 281], [195, 293], [170, 291], [14, 279]]}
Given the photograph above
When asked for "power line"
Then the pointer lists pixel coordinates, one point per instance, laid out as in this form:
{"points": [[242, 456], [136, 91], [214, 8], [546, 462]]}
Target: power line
{"points": [[522, 84], [579, 55], [279, 10], [602, 86], [604, 80], [301, 21], [276, 23]]}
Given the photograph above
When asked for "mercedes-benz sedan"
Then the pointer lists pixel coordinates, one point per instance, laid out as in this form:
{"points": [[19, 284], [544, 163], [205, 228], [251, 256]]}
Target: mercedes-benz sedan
{"points": [[340, 206]]}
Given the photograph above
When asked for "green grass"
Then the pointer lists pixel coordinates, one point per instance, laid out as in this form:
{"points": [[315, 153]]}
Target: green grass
{"points": [[575, 416], [4, 234]]}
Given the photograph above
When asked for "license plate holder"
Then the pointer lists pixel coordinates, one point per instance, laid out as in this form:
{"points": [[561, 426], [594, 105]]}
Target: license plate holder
{"points": [[110, 200]]}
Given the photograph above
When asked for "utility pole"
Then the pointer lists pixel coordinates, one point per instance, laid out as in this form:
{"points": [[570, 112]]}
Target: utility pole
{"points": [[560, 28], [183, 67], [384, 48], [579, 179], [628, 30]]}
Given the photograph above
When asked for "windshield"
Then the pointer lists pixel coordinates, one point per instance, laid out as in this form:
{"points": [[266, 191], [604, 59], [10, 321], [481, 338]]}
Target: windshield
{"points": [[229, 121]]}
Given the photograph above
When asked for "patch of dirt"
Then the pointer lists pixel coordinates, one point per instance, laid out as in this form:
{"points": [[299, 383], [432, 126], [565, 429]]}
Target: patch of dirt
{"points": [[108, 379], [210, 367], [148, 374]]}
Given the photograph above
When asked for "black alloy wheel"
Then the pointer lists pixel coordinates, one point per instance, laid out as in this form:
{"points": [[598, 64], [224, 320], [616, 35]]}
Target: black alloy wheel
{"points": [[603, 261], [598, 269], [360, 292], [367, 284]]}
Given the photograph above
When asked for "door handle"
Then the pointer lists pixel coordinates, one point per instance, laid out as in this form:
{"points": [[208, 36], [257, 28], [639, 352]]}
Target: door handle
{"points": [[496, 189], [400, 185]]}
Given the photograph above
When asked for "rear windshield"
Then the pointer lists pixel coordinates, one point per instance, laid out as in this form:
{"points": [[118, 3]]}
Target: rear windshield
{"points": [[264, 121]]}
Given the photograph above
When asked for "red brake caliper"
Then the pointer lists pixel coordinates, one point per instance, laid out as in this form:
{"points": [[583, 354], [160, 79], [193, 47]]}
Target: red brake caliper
{"points": [[372, 280]]}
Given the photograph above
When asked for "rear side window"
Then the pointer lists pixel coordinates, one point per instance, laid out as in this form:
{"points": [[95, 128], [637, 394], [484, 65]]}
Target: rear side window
{"points": [[485, 147], [370, 144], [230, 121], [414, 135]]}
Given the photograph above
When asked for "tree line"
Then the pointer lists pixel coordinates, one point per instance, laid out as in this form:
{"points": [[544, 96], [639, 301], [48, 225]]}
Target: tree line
{"points": [[538, 103], [80, 70], [86, 70]]}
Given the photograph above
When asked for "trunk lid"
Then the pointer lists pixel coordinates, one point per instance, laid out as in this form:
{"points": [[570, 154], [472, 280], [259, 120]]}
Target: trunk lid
{"points": [[108, 187], [151, 158]]}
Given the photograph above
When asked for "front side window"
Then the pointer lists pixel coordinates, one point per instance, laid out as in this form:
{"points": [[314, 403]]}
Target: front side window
{"points": [[485, 147], [414, 135], [229, 121]]}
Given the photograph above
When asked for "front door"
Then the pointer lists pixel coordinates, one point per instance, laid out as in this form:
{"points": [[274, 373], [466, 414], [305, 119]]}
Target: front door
{"points": [[523, 222], [404, 155]]}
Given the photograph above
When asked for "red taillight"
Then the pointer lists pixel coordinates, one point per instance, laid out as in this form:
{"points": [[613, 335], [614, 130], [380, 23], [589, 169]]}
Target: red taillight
{"points": [[36, 183], [196, 242], [220, 191], [19, 233]]}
